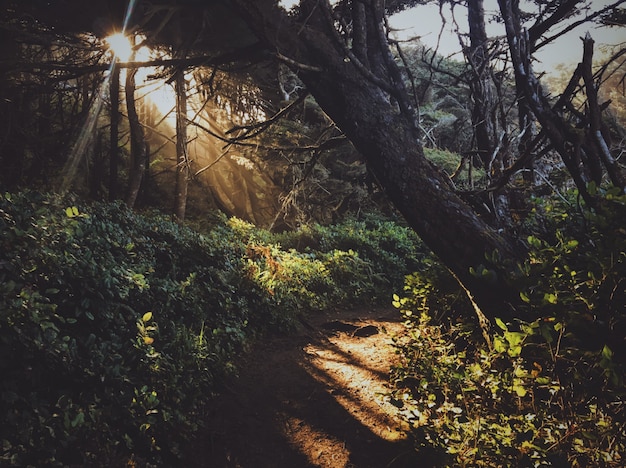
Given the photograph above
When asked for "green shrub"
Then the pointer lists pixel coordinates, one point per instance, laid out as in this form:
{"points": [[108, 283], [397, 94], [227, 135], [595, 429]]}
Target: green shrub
{"points": [[317, 267], [116, 328], [550, 390], [391, 249], [113, 330]]}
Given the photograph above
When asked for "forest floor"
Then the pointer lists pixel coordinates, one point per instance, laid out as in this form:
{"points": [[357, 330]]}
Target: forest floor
{"points": [[315, 398]]}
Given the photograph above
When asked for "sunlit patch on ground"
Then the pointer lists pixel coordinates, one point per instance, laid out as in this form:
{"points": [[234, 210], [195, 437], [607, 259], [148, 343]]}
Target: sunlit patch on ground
{"points": [[354, 370], [319, 448]]}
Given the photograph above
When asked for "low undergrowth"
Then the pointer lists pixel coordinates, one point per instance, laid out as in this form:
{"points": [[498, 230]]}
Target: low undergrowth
{"points": [[116, 328], [545, 391]]}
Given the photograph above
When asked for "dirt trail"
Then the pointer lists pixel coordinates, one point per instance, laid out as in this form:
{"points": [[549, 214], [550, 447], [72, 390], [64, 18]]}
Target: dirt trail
{"points": [[312, 399]]}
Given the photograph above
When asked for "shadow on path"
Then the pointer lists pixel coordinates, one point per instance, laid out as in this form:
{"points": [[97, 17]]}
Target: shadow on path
{"points": [[313, 399]]}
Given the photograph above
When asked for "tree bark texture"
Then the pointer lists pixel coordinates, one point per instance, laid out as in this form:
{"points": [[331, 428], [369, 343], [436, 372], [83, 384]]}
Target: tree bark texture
{"points": [[480, 84], [182, 161], [367, 102], [114, 91], [138, 154]]}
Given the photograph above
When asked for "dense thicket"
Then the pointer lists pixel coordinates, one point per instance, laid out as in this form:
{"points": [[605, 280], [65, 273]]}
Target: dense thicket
{"points": [[546, 389], [115, 328]]}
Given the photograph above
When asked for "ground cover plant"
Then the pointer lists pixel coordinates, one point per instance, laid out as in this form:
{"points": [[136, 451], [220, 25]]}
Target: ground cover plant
{"points": [[116, 328], [546, 389]]}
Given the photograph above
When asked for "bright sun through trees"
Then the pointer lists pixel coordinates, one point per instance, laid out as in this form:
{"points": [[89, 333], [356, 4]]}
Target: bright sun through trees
{"points": [[120, 46], [156, 90]]}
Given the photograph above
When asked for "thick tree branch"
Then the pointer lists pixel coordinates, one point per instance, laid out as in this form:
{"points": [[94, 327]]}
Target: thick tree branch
{"points": [[247, 53]]}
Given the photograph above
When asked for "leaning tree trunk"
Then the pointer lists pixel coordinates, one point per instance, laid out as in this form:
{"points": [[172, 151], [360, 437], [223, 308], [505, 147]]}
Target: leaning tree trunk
{"points": [[370, 108], [597, 147]]}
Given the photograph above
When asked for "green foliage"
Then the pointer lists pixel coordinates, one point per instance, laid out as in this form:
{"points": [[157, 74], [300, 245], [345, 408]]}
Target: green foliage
{"points": [[576, 269], [116, 328], [549, 391], [450, 163], [389, 249], [317, 266], [113, 331]]}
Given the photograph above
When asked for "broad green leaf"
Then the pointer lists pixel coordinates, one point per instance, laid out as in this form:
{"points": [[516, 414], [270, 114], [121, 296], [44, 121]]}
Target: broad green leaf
{"points": [[520, 390], [71, 211], [78, 420], [501, 324], [607, 353], [499, 345], [550, 298], [514, 338], [520, 372], [533, 241]]}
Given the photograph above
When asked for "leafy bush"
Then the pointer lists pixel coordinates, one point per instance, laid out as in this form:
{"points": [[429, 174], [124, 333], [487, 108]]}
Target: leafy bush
{"points": [[547, 390], [389, 248], [115, 328], [319, 266]]}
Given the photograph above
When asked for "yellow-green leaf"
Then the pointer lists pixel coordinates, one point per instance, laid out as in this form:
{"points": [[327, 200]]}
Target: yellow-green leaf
{"points": [[514, 351], [71, 211], [606, 352], [514, 338], [501, 324], [146, 317], [498, 345], [550, 298]]}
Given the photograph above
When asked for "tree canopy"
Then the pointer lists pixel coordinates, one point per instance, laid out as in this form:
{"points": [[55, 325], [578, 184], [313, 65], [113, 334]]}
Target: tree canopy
{"points": [[341, 54]]}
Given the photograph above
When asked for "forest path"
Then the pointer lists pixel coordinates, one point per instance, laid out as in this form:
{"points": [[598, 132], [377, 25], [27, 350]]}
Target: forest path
{"points": [[312, 399]]}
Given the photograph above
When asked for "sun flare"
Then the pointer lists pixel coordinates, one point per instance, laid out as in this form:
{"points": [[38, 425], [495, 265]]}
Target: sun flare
{"points": [[120, 45]]}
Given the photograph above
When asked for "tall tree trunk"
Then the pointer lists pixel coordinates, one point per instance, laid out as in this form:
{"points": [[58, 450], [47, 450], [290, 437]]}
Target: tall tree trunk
{"points": [[114, 91], [480, 85], [137, 141], [367, 105], [182, 161], [37, 170], [597, 147], [95, 179], [11, 97]]}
